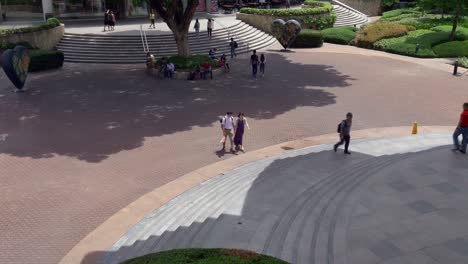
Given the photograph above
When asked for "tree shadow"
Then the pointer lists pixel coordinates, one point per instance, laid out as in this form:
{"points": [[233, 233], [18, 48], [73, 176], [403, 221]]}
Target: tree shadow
{"points": [[90, 111], [281, 211]]}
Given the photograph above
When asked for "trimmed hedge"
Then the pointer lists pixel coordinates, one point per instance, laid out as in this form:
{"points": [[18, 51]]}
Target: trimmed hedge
{"points": [[189, 63], [287, 12], [316, 4], [51, 23], [461, 33], [370, 34], [341, 35], [452, 49], [45, 60], [5, 46], [308, 38], [406, 45], [205, 256], [398, 14]]}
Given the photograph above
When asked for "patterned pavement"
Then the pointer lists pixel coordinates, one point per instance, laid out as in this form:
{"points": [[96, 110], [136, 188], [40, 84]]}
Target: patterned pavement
{"points": [[87, 140]]}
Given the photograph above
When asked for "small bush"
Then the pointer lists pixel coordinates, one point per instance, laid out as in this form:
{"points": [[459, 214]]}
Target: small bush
{"points": [[5, 46], [341, 35], [53, 21], [461, 33], [463, 62], [45, 60], [398, 14], [392, 13], [452, 49], [316, 4], [13, 31], [308, 38], [368, 35], [288, 12]]}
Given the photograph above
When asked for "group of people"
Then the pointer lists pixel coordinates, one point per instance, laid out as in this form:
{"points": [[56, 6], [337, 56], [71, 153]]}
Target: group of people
{"points": [[209, 27], [233, 128], [255, 61], [165, 68], [109, 20]]}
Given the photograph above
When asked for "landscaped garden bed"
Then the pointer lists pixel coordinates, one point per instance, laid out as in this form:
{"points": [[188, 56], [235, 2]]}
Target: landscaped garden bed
{"points": [[410, 32], [205, 256]]}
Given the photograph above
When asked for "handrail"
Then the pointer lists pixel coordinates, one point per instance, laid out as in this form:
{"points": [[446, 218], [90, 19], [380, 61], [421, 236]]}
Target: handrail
{"points": [[142, 40], [146, 41], [348, 7]]}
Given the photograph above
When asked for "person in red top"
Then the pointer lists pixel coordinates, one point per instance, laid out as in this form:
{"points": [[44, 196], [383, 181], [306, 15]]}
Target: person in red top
{"points": [[462, 129], [207, 70]]}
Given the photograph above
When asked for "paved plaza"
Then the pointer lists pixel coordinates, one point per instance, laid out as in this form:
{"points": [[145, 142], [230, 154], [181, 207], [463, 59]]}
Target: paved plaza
{"points": [[87, 140]]}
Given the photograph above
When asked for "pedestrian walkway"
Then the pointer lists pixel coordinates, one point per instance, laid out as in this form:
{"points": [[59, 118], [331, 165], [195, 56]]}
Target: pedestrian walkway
{"points": [[394, 200]]}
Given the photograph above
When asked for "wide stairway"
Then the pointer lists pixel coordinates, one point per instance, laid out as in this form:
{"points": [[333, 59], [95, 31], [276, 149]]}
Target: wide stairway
{"points": [[128, 49], [346, 16]]}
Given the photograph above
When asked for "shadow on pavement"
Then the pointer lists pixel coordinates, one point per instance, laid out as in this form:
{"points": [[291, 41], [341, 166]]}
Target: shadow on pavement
{"points": [[90, 111]]}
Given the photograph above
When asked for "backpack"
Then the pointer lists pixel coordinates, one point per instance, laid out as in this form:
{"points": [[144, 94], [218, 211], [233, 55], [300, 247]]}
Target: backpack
{"points": [[235, 44], [338, 130]]}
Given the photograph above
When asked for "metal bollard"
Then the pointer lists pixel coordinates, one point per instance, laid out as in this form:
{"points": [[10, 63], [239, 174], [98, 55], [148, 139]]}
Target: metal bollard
{"points": [[455, 68], [417, 48]]}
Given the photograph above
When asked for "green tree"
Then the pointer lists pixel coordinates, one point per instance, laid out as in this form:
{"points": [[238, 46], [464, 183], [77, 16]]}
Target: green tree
{"points": [[177, 14]]}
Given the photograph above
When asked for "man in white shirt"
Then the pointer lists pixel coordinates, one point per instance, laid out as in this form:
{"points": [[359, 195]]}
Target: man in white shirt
{"points": [[227, 125]]}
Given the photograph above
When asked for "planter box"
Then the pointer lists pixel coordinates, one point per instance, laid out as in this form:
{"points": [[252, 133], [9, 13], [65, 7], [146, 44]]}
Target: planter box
{"points": [[44, 39]]}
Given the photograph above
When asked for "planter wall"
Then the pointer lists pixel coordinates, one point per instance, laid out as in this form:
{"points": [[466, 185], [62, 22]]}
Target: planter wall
{"points": [[44, 39], [264, 22]]}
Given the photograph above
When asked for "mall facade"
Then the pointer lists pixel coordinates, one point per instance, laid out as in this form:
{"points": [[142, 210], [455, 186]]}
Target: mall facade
{"points": [[25, 10]]}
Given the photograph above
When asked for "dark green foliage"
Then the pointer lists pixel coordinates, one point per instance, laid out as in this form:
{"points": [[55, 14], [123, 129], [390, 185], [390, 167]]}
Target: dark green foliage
{"points": [[288, 12], [341, 35], [452, 49], [5, 46], [406, 45], [205, 256], [45, 60], [463, 62], [188, 63], [372, 33], [308, 38], [461, 33], [53, 21]]}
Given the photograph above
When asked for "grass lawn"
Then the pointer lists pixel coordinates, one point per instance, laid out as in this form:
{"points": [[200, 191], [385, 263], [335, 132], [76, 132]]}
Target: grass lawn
{"points": [[205, 256]]}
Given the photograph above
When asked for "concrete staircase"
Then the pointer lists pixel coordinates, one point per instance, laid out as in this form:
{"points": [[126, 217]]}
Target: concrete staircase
{"points": [[295, 208], [128, 49], [346, 16]]}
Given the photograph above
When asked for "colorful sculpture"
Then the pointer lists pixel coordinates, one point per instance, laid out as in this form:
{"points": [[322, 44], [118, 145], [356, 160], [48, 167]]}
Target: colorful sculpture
{"points": [[15, 63], [285, 32]]}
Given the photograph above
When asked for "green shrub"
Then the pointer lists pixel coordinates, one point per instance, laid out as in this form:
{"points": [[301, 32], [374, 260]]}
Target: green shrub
{"points": [[461, 33], [188, 63], [452, 49], [308, 38], [370, 34], [289, 12], [406, 45], [317, 22], [205, 256], [5, 46], [13, 31], [341, 35], [45, 60], [316, 4], [431, 21], [463, 62], [392, 13], [53, 21]]}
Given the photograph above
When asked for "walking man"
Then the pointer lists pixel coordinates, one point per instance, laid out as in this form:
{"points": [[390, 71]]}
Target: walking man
{"points": [[254, 63], [344, 128], [197, 27], [462, 129], [227, 125], [210, 26], [152, 18], [233, 46]]}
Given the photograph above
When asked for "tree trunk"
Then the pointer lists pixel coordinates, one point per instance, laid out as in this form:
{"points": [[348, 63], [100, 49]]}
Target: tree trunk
{"points": [[456, 18], [181, 38]]}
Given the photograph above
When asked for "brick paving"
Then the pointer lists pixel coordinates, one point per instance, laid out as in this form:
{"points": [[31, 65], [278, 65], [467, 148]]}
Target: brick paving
{"points": [[87, 140]]}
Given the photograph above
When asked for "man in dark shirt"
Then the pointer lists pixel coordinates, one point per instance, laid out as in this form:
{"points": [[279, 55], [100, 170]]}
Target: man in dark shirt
{"points": [[344, 130], [462, 129], [254, 62]]}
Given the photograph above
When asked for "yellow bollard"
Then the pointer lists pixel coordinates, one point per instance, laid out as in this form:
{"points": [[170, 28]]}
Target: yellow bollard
{"points": [[415, 128]]}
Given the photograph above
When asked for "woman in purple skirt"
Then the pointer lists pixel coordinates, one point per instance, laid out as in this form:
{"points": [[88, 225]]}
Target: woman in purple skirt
{"points": [[240, 127]]}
